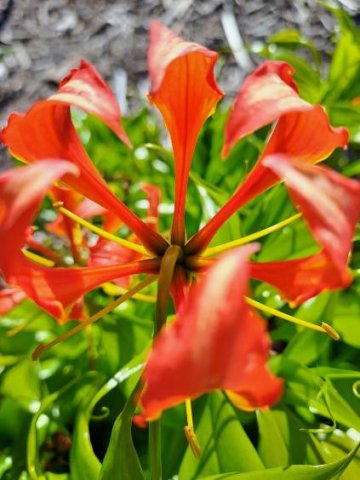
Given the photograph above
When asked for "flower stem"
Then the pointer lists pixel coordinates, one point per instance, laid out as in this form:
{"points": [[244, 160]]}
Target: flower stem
{"points": [[167, 268]]}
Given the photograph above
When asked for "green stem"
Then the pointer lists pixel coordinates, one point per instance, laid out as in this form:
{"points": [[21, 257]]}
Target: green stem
{"points": [[167, 268]]}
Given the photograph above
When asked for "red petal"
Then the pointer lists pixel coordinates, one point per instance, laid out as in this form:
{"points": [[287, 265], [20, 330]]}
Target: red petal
{"points": [[57, 289], [180, 288], [300, 279], [153, 194], [184, 90], [215, 342], [46, 132], [10, 298], [63, 225], [306, 137], [21, 192], [84, 88], [266, 94], [54, 289], [330, 204], [109, 253]]}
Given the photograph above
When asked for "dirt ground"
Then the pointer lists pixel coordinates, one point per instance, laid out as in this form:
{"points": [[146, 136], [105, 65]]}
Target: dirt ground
{"points": [[40, 40]]}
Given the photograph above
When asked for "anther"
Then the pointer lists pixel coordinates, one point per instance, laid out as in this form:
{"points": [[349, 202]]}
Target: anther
{"points": [[192, 441], [330, 331]]}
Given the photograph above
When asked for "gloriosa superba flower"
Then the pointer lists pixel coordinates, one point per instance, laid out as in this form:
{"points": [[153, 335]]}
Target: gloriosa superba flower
{"points": [[217, 338]]}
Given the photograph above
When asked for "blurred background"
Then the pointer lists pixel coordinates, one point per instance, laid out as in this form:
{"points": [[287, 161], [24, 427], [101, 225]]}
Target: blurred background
{"points": [[40, 40]]}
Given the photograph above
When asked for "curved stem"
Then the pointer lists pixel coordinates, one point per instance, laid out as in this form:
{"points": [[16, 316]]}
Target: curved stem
{"points": [[167, 268]]}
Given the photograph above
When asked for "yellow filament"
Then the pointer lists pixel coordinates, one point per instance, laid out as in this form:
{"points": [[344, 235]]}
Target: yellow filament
{"points": [[112, 289], [101, 313], [77, 235], [38, 259], [249, 238], [324, 327], [99, 231], [189, 430], [189, 415]]}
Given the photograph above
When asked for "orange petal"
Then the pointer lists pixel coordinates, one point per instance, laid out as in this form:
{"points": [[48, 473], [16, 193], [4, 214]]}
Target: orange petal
{"points": [[217, 341], [329, 202], [184, 90], [300, 279], [306, 137], [84, 88], [267, 93]]}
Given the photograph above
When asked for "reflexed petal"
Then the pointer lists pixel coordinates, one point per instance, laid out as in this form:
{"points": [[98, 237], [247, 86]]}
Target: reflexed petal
{"points": [[268, 93], [46, 132], [21, 192], [84, 88], [109, 253], [184, 90], [330, 204], [153, 195], [217, 341], [63, 225], [56, 290], [300, 279], [53, 289], [180, 288], [10, 298], [306, 137]]}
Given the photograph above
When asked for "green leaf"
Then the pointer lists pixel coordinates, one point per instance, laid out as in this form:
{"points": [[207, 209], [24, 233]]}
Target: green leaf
{"points": [[33, 463], [282, 441], [272, 446], [294, 472], [84, 463], [225, 445], [121, 460]]}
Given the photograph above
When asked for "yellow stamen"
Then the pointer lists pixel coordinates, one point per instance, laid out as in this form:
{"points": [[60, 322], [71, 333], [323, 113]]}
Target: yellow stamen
{"points": [[249, 238], [112, 289], [324, 327], [99, 231], [38, 259], [330, 331], [192, 441], [101, 313], [77, 235], [190, 432]]}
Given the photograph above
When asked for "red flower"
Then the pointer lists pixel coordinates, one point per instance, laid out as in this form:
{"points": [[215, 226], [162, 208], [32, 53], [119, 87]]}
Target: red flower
{"points": [[216, 341]]}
